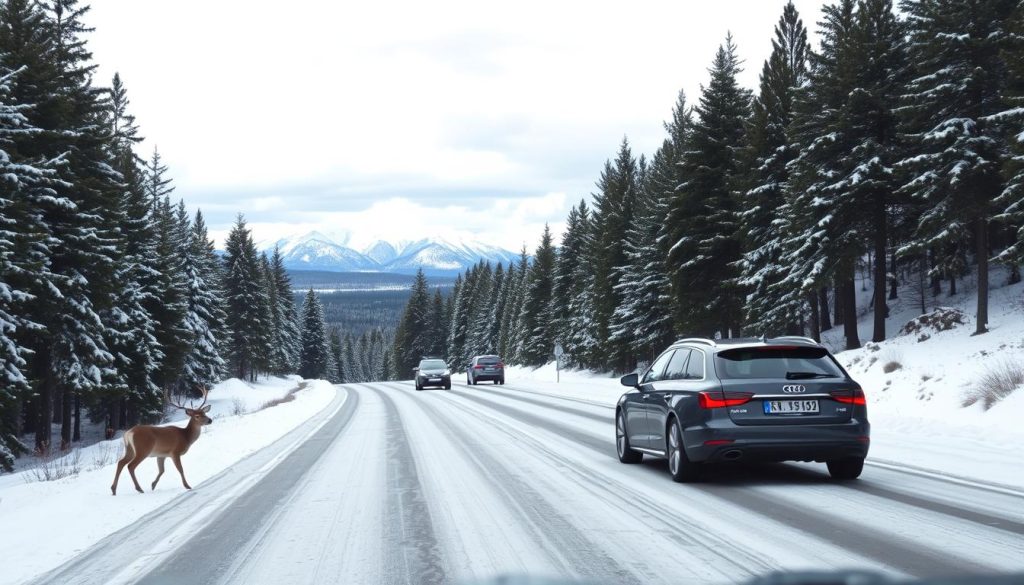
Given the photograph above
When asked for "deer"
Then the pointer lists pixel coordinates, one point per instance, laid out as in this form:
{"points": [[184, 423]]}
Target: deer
{"points": [[143, 441]]}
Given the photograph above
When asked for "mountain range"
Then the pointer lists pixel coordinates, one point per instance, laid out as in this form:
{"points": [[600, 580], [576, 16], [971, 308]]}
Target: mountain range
{"points": [[436, 256]]}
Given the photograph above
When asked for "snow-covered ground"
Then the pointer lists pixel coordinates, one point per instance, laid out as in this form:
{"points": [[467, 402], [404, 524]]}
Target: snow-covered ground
{"points": [[916, 411], [55, 520]]}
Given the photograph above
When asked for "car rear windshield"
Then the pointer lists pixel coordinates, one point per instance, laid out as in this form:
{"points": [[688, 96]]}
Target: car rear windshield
{"points": [[493, 359], [433, 365], [792, 363]]}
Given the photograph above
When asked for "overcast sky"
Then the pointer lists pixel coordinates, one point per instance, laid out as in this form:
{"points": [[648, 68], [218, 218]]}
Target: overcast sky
{"points": [[399, 120]]}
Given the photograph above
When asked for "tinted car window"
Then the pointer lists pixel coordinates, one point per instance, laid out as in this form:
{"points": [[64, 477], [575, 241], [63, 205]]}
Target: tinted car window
{"points": [[794, 363], [488, 360], [695, 366], [656, 371], [676, 369], [433, 365]]}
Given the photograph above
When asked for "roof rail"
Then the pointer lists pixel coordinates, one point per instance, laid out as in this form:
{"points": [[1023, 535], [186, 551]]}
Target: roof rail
{"points": [[796, 338], [703, 340]]}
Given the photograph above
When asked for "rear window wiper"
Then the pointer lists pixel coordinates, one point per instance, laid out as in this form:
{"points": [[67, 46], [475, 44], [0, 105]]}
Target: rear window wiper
{"points": [[806, 375]]}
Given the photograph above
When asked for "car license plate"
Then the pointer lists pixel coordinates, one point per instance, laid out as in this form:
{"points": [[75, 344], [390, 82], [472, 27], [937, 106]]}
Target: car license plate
{"points": [[435, 379], [790, 406]]}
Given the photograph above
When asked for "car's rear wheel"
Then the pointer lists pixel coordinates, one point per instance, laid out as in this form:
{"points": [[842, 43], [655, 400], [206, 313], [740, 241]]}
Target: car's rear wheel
{"points": [[419, 386], [448, 386], [625, 452], [502, 382], [679, 465], [845, 469]]}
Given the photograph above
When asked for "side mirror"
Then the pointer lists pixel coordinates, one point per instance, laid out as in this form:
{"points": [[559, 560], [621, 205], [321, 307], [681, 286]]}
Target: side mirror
{"points": [[415, 369], [631, 380]]}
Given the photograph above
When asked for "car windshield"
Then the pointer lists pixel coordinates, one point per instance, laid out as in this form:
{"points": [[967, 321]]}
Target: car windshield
{"points": [[488, 360], [433, 365], [776, 362]]}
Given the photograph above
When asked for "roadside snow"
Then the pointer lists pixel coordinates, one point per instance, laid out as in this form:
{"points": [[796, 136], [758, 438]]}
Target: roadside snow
{"points": [[82, 505]]}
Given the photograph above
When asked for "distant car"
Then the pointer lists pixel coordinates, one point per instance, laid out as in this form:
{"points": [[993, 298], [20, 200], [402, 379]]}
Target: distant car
{"points": [[483, 368], [433, 372], [782, 399]]}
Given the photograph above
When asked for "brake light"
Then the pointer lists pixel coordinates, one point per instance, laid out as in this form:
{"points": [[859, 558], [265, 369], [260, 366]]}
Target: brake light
{"points": [[501, 365], [478, 367], [723, 399], [717, 442], [856, 397]]}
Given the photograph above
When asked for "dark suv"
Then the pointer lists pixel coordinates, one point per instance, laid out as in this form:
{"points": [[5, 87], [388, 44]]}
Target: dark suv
{"points": [[483, 368], [781, 399], [433, 372]]}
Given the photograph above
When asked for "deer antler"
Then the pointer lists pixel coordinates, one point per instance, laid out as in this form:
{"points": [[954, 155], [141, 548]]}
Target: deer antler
{"points": [[167, 397], [205, 392]]}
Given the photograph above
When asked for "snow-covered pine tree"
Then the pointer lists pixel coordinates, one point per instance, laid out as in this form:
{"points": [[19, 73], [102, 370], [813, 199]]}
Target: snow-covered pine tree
{"points": [[704, 230], [539, 338], [495, 306], [355, 370], [956, 148], [504, 317], [516, 333], [314, 356], [763, 204], [823, 228], [411, 341], [581, 342], [332, 371], [459, 325], [203, 365], [613, 213], [1010, 203], [477, 324], [132, 340], [347, 366], [437, 332], [286, 324], [23, 254], [338, 375], [170, 307], [242, 291]]}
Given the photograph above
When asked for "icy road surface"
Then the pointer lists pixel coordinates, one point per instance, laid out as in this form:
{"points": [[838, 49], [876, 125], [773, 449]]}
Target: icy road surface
{"points": [[399, 486]]}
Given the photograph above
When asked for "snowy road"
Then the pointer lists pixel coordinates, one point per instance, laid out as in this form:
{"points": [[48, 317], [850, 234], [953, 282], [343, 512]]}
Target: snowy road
{"points": [[400, 486]]}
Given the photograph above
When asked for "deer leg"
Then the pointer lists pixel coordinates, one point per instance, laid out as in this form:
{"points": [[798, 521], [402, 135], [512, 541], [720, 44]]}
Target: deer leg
{"points": [[160, 470], [131, 471], [177, 463], [129, 454]]}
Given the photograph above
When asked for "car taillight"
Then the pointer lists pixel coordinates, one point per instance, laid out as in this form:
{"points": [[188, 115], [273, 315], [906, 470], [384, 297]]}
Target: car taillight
{"points": [[501, 365], [855, 397], [478, 367], [723, 399]]}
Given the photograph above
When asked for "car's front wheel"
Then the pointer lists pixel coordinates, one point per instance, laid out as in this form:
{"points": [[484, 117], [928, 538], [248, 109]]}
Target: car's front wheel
{"points": [[679, 465], [845, 469], [626, 453]]}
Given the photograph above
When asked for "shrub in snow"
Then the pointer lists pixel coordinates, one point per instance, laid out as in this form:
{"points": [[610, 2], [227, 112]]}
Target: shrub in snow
{"points": [[941, 319], [891, 367], [998, 382], [54, 465]]}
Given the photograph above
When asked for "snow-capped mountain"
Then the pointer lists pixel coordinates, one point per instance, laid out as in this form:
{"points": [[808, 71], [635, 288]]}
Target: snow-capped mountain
{"points": [[317, 251]]}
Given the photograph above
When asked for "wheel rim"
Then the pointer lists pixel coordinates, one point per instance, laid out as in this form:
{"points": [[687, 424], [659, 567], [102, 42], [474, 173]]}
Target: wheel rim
{"points": [[620, 435], [673, 450]]}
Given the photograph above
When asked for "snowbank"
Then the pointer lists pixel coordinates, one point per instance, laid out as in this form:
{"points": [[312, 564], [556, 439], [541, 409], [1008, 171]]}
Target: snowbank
{"points": [[56, 520]]}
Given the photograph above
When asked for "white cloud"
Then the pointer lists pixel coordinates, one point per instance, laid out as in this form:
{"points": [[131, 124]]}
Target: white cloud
{"points": [[247, 100]]}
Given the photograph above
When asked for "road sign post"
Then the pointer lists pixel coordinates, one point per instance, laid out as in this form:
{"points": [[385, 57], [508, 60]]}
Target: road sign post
{"points": [[559, 352]]}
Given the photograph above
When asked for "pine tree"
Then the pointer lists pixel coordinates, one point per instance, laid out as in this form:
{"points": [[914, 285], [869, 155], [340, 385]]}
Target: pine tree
{"points": [[286, 345], [242, 292], [536, 312], [495, 306], [959, 79], [614, 208], [411, 340], [338, 374], [771, 149], [203, 365], [704, 230], [314, 357], [437, 332], [1010, 203], [580, 341]]}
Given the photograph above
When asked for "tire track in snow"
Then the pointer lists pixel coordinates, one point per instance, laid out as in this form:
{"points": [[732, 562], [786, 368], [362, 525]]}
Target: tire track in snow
{"points": [[412, 553], [577, 552], [863, 486], [905, 557]]}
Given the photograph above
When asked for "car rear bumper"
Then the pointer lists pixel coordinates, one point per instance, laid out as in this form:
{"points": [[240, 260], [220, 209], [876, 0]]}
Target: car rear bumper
{"points": [[489, 376], [730, 442]]}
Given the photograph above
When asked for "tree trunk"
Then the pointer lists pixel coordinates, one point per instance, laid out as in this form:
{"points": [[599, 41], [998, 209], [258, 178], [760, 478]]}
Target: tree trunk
{"points": [[848, 291], [881, 241], [115, 415], [58, 407], [66, 422], [823, 309], [44, 402], [981, 241], [837, 305], [936, 277], [894, 282], [1014, 274], [78, 418], [952, 284], [812, 298]]}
